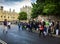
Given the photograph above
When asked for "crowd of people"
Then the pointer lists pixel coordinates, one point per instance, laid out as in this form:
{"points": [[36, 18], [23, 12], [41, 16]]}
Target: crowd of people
{"points": [[45, 27]]}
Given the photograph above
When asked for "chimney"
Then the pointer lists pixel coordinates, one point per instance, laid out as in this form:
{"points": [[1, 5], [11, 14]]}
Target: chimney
{"points": [[10, 10], [1, 8], [13, 10]]}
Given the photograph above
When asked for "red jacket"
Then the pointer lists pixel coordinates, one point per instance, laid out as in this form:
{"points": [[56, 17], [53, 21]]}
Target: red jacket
{"points": [[41, 27]]}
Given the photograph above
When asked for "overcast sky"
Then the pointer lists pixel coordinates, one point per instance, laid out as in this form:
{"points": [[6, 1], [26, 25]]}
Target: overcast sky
{"points": [[15, 4]]}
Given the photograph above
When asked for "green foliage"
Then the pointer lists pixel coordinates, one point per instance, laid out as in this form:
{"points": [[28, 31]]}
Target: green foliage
{"points": [[46, 7], [22, 16], [49, 8], [36, 10]]}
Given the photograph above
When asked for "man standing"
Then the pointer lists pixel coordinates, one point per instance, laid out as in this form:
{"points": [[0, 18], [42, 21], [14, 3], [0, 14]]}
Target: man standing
{"points": [[41, 28], [5, 25], [19, 25], [57, 28]]}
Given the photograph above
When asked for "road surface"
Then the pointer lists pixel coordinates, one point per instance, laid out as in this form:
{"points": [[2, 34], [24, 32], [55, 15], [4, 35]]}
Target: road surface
{"points": [[14, 36]]}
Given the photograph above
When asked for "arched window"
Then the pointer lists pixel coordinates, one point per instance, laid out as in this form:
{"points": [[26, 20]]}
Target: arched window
{"points": [[4, 16], [8, 16], [1, 16]]}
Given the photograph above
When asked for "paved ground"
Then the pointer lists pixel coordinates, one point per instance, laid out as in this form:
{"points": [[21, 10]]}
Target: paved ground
{"points": [[14, 36]]}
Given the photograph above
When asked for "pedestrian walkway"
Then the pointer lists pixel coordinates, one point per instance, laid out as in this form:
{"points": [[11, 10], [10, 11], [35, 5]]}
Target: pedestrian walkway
{"points": [[56, 36], [14, 36]]}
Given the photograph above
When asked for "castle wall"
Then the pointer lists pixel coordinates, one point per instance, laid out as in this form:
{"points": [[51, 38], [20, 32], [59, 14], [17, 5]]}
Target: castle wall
{"points": [[10, 16]]}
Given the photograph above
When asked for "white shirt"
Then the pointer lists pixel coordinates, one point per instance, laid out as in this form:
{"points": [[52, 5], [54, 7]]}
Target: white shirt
{"points": [[9, 23]]}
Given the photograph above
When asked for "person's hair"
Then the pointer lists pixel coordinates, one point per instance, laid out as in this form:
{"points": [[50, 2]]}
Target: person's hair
{"points": [[57, 21], [5, 19]]}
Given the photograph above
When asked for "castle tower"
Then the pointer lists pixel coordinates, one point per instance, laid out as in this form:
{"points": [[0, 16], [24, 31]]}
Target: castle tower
{"points": [[10, 9], [1, 8], [13, 10]]}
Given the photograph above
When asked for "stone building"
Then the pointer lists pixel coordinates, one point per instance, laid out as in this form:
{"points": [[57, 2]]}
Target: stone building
{"points": [[27, 9], [10, 16]]}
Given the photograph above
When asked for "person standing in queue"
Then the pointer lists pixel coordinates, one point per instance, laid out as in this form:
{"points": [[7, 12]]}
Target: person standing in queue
{"points": [[57, 28], [41, 28]]}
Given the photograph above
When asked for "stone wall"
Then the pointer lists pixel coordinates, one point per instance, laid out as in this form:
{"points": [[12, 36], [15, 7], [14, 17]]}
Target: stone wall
{"points": [[55, 18]]}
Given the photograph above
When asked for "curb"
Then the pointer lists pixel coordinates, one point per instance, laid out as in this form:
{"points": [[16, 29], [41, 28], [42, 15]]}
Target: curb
{"points": [[56, 36]]}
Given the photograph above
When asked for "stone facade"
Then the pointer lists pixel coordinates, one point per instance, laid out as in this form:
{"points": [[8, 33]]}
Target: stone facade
{"points": [[27, 9], [10, 16]]}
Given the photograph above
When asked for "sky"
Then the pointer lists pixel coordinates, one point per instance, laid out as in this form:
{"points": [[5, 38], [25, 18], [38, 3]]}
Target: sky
{"points": [[15, 4]]}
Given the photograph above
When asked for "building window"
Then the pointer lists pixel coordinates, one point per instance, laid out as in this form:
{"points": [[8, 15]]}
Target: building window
{"points": [[1, 16], [4, 16], [8, 16], [13, 17]]}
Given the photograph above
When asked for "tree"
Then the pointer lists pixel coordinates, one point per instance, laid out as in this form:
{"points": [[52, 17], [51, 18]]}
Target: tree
{"points": [[22, 16], [49, 9], [45, 7], [37, 8], [52, 7]]}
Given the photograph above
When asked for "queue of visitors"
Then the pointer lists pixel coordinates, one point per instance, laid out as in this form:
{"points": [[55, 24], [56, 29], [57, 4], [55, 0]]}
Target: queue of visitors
{"points": [[47, 27]]}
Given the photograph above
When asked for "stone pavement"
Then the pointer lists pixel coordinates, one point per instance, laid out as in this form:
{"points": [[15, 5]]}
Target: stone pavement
{"points": [[15, 36]]}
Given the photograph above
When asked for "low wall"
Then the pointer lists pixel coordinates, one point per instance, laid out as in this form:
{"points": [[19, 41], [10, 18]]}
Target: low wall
{"points": [[55, 18]]}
